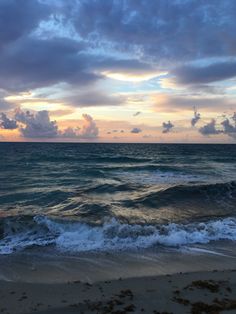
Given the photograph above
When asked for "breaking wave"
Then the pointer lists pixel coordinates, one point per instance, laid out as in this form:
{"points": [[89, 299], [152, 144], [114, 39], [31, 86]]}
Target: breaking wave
{"points": [[19, 233]]}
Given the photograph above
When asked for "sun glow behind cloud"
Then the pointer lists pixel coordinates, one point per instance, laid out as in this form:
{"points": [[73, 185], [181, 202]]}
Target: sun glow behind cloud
{"points": [[113, 59], [129, 77]]}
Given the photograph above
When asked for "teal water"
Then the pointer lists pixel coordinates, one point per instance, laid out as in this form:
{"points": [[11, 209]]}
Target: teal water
{"points": [[91, 197]]}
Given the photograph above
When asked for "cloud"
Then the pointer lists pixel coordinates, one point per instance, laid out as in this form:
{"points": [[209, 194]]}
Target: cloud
{"points": [[5, 105], [36, 125], [229, 128], [209, 128], [116, 131], [126, 69], [39, 125], [61, 112], [94, 98], [87, 44], [176, 103], [6, 123], [159, 30], [136, 130], [89, 129], [167, 126], [196, 117], [20, 17], [32, 63], [70, 132], [190, 74], [234, 117]]}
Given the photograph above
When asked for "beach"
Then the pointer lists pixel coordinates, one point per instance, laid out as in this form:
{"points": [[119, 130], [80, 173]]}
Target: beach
{"points": [[141, 282], [197, 292]]}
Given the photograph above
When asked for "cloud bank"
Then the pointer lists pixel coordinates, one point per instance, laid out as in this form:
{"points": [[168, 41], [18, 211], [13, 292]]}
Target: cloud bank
{"points": [[39, 125]]}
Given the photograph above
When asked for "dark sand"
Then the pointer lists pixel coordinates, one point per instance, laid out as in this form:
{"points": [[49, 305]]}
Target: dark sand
{"points": [[152, 282], [198, 292]]}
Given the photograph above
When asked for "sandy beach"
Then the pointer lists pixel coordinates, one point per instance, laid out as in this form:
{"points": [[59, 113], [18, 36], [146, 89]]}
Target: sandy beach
{"points": [[197, 292]]}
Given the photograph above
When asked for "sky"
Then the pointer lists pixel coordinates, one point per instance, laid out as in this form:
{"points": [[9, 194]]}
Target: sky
{"points": [[118, 71]]}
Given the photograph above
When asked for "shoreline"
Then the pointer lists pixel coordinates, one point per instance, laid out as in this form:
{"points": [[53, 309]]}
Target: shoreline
{"points": [[195, 292], [41, 265]]}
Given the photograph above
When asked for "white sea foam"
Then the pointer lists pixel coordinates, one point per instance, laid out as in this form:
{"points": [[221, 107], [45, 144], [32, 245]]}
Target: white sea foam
{"points": [[79, 237]]}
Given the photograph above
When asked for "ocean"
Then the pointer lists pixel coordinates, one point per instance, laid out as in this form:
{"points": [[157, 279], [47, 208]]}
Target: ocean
{"points": [[76, 198]]}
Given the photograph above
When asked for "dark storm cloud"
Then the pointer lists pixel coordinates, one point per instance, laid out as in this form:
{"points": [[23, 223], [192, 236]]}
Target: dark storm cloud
{"points": [[205, 74], [166, 29], [32, 63], [20, 17]]}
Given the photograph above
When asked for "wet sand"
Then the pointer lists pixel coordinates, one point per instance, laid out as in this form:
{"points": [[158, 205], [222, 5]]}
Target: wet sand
{"points": [[196, 292], [170, 281], [47, 266]]}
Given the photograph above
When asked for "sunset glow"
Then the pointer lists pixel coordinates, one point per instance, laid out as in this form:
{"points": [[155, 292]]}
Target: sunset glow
{"points": [[160, 59]]}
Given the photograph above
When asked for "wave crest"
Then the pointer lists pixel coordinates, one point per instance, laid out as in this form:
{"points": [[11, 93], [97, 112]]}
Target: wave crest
{"points": [[113, 235]]}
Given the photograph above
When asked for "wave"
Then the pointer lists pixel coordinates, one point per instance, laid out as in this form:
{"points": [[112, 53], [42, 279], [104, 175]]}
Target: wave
{"points": [[208, 193], [108, 188], [19, 233]]}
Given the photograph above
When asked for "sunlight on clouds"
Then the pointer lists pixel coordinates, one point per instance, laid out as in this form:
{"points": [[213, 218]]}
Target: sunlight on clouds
{"points": [[19, 97], [169, 83], [129, 77]]}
